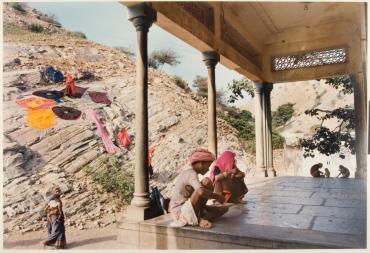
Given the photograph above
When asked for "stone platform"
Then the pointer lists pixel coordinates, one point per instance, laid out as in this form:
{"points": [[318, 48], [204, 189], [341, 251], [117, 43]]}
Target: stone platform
{"points": [[282, 212]]}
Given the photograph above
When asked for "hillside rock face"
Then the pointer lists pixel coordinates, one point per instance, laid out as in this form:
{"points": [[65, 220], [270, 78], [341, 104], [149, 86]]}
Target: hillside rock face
{"points": [[35, 159], [305, 95]]}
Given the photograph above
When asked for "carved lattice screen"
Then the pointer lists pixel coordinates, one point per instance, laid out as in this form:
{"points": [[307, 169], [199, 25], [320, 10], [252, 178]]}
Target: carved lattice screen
{"points": [[310, 59]]}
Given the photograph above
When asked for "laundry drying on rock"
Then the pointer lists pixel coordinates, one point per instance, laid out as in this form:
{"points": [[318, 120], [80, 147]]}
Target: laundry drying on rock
{"points": [[99, 97], [40, 119], [36, 103], [102, 131], [49, 94], [124, 138], [49, 74], [66, 113]]}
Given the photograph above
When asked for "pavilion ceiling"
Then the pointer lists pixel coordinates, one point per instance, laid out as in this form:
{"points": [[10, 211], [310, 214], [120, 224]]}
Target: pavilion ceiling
{"points": [[248, 35]]}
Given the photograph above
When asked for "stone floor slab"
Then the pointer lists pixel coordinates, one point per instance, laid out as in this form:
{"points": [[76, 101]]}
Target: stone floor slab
{"points": [[337, 195], [278, 220], [286, 200], [281, 192], [356, 203], [337, 225], [272, 207], [335, 212]]}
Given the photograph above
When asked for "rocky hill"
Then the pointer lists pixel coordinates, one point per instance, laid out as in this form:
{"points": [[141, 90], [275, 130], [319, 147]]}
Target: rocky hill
{"points": [[305, 95], [34, 159]]}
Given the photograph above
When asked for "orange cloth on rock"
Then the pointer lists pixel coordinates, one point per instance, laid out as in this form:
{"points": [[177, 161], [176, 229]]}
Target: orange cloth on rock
{"points": [[36, 103], [40, 118], [70, 86], [150, 155]]}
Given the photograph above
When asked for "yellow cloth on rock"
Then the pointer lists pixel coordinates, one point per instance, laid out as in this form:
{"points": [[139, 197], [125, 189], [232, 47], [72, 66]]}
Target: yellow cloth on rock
{"points": [[40, 118]]}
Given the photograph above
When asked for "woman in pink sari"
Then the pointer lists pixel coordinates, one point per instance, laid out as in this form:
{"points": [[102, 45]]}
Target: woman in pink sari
{"points": [[227, 179]]}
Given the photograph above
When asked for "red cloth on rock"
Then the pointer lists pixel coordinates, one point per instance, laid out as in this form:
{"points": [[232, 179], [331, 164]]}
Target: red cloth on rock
{"points": [[124, 138]]}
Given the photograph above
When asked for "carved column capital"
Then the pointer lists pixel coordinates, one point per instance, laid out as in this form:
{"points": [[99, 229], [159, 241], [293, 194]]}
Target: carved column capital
{"points": [[211, 58], [263, 87], [268, 87], [141, 16]]}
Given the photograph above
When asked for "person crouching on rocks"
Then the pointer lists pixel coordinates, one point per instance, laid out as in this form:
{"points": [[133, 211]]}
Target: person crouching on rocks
{"points": [[189, 196], [70, 89]]}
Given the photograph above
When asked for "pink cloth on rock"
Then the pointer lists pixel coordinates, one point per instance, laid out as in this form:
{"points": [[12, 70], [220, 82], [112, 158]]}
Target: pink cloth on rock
{"points": [[225, 163], [102, 131], [201, 155]]}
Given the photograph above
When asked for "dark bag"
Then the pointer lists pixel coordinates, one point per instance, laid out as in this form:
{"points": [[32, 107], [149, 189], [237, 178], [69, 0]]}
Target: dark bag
{"points": [[157, 202]]}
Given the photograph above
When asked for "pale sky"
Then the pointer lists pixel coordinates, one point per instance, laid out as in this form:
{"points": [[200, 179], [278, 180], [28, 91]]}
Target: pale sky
{"points": [[106, 23]]}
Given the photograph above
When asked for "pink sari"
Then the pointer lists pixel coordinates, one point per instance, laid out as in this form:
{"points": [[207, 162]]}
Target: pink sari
{"points": [[103, 133], [225, 163]]}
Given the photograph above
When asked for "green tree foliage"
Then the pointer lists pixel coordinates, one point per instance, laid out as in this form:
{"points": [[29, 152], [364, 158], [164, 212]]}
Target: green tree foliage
{"points": [[282, 115], [238, 87], [113, 178], [164, 56], [331, 141], [243, 122], [200, 83], [343, 83], [277, 140]]}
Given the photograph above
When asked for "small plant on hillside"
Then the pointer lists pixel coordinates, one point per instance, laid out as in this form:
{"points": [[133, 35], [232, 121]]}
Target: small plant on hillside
{"points": [[79, 35], [125, 50], [158, 58], [36, 28], [51, 20], [113, 178], [282, 115], [180, 82], [18, 7], [200, 83], [277, 140]]}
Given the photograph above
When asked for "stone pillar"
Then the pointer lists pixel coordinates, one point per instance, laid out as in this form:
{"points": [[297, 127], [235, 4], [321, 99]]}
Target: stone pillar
{"points": [[360, 124], [211, 59], [268, 130], [259, 119], [142, 20]]}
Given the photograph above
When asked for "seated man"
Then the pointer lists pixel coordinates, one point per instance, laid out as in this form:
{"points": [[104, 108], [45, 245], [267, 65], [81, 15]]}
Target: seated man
{"points": [[189, 196], [228, 180], [315, 170], [343, 171]]}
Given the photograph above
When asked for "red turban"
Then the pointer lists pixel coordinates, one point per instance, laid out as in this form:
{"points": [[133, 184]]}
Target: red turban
{"points": [[201, 155]]}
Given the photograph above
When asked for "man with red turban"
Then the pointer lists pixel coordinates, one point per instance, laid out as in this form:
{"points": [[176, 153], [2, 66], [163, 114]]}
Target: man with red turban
{"points": [[189, 196]]}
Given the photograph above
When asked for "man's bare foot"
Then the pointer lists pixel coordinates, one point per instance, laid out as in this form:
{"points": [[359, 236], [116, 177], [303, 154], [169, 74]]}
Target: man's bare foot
{"points": [[205, 224]]}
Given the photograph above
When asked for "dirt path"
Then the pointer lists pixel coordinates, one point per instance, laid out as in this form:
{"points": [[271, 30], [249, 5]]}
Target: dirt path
{"points": [[99, 238]]}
